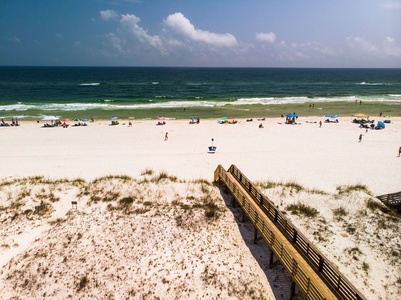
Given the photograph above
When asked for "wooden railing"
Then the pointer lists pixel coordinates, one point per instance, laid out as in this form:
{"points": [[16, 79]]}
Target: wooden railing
{"points": [[392, 200], [331, 276]]}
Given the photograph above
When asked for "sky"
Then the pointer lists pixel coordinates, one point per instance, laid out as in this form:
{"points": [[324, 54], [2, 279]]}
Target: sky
{"points": [[201, 33]]}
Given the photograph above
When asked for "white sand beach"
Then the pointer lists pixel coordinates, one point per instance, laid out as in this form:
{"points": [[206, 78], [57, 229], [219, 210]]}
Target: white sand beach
{"points": [[316, 157], [201, 259]]}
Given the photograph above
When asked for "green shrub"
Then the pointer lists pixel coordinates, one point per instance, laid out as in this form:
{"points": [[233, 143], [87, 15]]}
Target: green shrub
{"points": [[303, 209], [126, 201]]}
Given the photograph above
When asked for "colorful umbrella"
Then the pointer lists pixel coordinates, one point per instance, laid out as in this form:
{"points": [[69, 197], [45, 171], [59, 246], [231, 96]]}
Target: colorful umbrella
{"points": [[50, 118]]}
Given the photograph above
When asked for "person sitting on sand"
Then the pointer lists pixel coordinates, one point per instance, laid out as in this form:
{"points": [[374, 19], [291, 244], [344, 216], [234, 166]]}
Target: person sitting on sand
{"points": [[260, 125], [399, 152]]}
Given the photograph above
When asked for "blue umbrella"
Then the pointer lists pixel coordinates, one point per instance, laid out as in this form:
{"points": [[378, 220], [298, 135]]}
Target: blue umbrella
{"points": [[113, 118], [292, 115], [381, 124]]}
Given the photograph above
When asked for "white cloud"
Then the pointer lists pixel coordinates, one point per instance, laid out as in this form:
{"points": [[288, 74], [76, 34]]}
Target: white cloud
{"points": [[130, 23], [59, 36], [108, 15], [390, 47], [362, 44], [389, 39], [266, 37], [116, 43], [181, 25], [392, 5], [387, 48]]}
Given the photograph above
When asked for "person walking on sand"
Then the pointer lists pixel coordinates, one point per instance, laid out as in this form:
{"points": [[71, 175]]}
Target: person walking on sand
{"points": [[166, 136], [399, 152], [320, 124], [360, 138]]}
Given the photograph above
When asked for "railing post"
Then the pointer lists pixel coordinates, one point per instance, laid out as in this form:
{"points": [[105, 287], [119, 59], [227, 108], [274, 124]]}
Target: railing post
{"points": [[321, 263], [292, 293], [255, 235], [271, 257], [294, 238]]}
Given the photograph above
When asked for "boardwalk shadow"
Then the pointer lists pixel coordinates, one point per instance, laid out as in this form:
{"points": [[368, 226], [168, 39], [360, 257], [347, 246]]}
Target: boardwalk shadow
{"points": [[277, 276]]}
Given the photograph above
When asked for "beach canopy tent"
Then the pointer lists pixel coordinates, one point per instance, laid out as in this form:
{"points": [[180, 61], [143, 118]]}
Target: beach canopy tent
{"points": [[359, 115], [50, 118], [332, 116], [113, 120], [193, 120], [160, 120], [290, 118]]}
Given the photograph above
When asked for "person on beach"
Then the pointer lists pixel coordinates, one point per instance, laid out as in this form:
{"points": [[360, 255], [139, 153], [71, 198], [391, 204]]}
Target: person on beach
{"points": [[129, 123], [92, 120], [399, 152], [360, 138], [320, 124], [166, 136]]}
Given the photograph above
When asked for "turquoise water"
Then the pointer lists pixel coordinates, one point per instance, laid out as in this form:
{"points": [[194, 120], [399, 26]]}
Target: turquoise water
{"points": [[31, 92]]}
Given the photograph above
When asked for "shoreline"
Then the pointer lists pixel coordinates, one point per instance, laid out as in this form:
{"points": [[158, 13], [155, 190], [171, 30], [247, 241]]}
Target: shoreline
{"points": [[343, 109]]}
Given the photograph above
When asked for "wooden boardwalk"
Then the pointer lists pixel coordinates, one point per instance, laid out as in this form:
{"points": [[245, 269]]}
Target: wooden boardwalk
{"points": [[392, 200], [308, 268]]}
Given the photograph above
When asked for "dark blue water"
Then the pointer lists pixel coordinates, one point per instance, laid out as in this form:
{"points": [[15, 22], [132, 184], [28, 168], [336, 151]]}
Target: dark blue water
{"points": [[47, 89]]}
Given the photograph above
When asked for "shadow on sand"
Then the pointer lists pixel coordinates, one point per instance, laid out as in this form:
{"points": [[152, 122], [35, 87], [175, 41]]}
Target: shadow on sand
{"points": [[277, 276]]}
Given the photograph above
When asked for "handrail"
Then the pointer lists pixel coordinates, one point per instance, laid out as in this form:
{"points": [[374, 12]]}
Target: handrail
{"points": [[321, 265], [301, 273]]}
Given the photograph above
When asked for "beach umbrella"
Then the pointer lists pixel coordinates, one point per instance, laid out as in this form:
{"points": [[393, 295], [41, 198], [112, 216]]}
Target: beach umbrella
{"points": [[84, 120], [113, 118], [66, 120], [160, 118], [50, 118], [224, 118], [359, 115], [381, 124], [292, 115]]}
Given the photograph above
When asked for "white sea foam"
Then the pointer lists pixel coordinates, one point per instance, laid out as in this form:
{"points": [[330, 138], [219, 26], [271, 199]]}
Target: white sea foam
{"points": [[373, 83], [17, 107], [110, 105], [90, 84]]}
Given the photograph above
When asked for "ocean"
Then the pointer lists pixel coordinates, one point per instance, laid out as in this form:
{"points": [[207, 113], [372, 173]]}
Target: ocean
{"points": [[146, 92]]}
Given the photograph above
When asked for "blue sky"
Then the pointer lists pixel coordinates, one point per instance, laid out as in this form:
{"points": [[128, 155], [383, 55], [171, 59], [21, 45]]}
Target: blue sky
{"points": [[216, 33]]}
